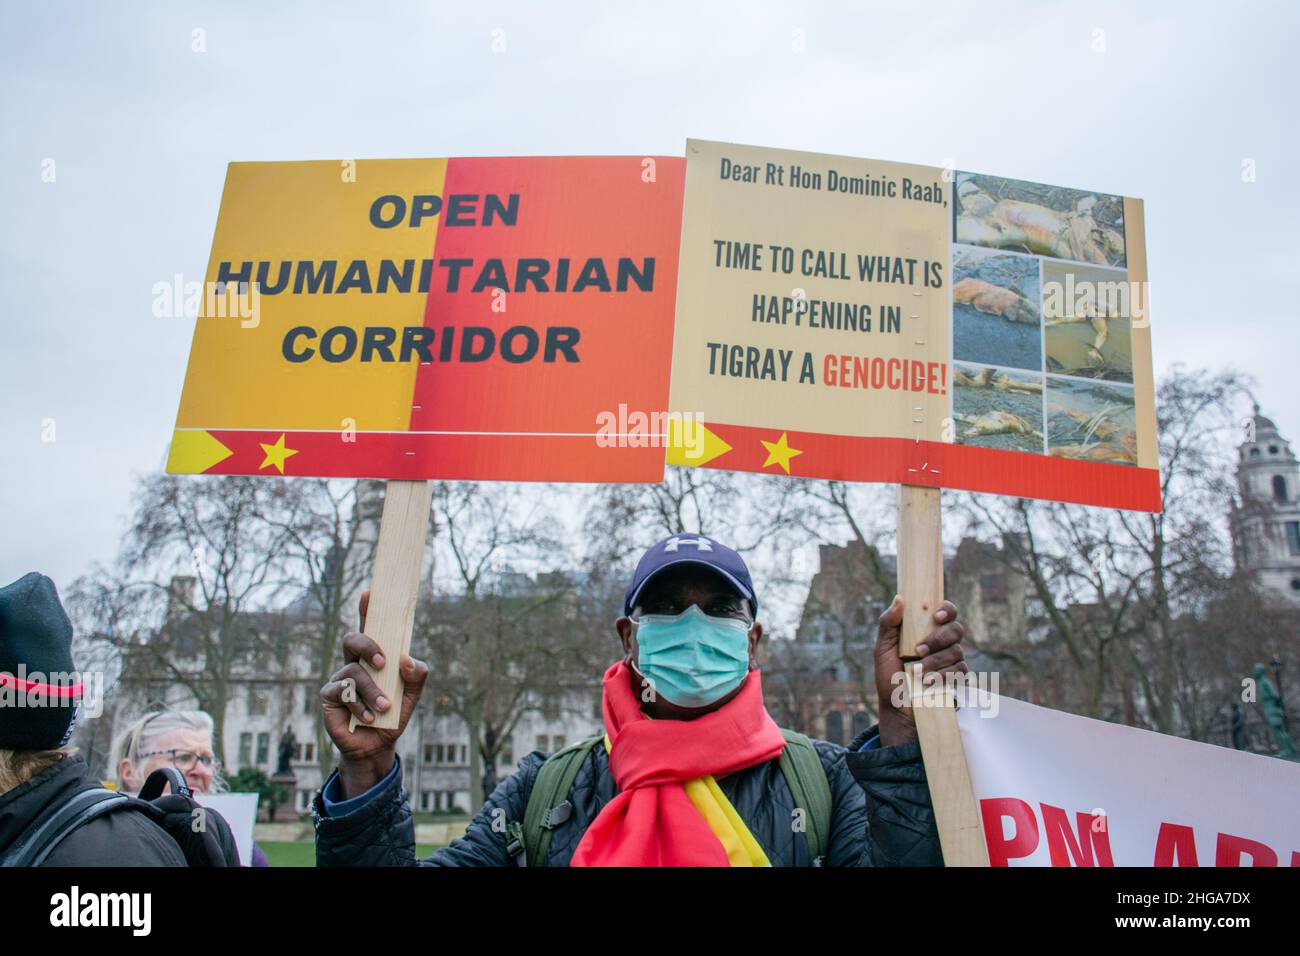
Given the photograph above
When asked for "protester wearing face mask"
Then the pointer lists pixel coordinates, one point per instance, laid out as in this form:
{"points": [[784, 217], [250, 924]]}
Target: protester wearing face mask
{"points": [[691, 770]]}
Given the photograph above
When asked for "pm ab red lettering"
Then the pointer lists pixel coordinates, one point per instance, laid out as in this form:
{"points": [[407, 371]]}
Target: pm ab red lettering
{"points": [[1229, 849], [1175, 846], [1024, 838], [1063, 846]]}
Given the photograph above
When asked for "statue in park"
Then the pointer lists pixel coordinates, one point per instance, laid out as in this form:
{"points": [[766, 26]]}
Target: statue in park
{"points": [[288, 744], [1274, 712]]}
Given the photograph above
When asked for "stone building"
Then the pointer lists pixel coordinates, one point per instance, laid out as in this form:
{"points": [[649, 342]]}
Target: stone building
{"points": [[1265, 517], [822, 682]]}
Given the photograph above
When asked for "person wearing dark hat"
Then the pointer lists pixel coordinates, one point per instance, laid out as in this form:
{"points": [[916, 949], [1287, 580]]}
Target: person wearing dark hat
{"points": [[690, 771], [40, 774]]}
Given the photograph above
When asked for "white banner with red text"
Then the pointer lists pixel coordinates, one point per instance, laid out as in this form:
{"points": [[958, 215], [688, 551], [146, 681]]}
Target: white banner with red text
{"points": [[1055, 789]]}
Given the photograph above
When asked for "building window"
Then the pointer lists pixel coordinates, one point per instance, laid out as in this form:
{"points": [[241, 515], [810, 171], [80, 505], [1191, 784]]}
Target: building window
{"points": [[263, 749], [1272, 449], [303, 803], [308, 699], [1254, 453], [1293, 536], [304, 753], [507, 754], [428, 754], [1279, 488], [257, 700], [993, 588], [447, 753], [558, 741], [861, 721], [245, 749], [542, 741]]}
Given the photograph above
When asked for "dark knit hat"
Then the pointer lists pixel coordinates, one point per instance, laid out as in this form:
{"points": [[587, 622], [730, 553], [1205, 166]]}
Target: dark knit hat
{"points": [[39, 689]]}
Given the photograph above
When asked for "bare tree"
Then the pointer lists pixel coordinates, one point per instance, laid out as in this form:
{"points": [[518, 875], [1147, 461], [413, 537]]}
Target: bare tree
{"points": [[504, 633], [202, 555], [329, 530], [744, 511], [1125, 597], [856, 591]]}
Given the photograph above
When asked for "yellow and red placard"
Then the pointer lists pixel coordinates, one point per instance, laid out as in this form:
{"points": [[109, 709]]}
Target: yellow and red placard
{"points": [[513, 319], [435, 318], [871, 321]]}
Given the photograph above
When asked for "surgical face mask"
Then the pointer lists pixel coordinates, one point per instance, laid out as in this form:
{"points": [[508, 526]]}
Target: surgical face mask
{"points": [[692, 659]]}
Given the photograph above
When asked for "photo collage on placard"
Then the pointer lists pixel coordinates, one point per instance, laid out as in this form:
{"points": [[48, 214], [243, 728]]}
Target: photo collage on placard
{"points": [[1041, 339]]}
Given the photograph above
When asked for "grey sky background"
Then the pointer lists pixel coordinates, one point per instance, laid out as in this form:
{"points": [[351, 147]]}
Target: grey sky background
{"points": [[141, 128]]}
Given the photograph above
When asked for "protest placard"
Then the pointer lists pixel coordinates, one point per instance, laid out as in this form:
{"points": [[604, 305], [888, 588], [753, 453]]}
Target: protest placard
{"points": [[434, 318], [874, 321]]}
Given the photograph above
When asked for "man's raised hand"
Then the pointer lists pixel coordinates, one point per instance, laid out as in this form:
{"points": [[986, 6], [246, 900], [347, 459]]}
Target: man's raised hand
{"points": [[940, 653], [367, 753]]}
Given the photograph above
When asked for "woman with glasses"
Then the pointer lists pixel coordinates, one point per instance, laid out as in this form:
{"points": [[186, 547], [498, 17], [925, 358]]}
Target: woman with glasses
{"points": [[169, 738], [172, 738]]}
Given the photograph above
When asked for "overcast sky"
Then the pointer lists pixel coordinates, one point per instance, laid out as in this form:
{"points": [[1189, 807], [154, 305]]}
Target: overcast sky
{"points": [[140, 128]]}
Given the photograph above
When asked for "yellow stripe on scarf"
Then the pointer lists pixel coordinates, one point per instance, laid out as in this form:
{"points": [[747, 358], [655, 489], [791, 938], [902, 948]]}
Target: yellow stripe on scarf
{"points": [[722, 818]]}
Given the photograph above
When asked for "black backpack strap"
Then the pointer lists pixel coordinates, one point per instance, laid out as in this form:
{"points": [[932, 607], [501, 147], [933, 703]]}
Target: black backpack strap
{"points": [[213, 844], [158, 781], [47, 832]]}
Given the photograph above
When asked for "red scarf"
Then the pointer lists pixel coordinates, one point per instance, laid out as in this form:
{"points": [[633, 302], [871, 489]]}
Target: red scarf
{"points": [[652, 822]]}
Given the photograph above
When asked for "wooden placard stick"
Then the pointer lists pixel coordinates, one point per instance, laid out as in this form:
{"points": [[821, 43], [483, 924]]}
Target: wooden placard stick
{"points": [[920, 583], [394, 587]]}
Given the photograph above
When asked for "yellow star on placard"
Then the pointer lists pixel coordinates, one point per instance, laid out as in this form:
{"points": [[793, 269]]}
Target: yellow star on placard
{"points": [[779, 453], [277, 453]]}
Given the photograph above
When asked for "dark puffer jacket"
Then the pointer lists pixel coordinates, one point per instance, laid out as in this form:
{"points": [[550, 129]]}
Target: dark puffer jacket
{"points": [[880, 815], [114, 839]]}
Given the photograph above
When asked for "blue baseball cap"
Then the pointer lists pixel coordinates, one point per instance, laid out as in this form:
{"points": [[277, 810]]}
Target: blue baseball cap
{"points": [[690, 549]]}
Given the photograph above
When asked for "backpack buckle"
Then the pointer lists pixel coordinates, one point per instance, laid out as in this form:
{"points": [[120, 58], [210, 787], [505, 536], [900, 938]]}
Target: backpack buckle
{"points": [[515, 843], [557, 815]]}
